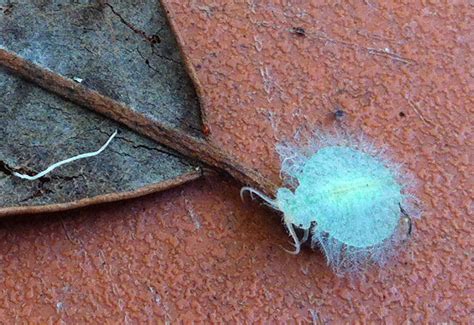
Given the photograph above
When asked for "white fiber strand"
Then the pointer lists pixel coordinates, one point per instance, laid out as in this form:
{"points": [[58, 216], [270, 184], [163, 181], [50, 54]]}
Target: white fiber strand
{"points": [[66, 161]]}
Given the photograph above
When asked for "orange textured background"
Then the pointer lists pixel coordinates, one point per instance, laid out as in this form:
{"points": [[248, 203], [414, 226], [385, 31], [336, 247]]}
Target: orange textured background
{"points": [[402, 75]]}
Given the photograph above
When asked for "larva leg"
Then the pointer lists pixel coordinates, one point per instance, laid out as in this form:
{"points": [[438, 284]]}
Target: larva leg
{"points": [[295, 239], [305, 236]]}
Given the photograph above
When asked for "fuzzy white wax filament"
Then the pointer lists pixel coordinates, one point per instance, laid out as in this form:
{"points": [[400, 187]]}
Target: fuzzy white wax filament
{"points": [[347, 196]]}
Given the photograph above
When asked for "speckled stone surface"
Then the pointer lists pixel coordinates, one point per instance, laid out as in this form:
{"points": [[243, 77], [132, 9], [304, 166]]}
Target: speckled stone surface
{"points": [[398, 71], [123, 49], [39, 129]]}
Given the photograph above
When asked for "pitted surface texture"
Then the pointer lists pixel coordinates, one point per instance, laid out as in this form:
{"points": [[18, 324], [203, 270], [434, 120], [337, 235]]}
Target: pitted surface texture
{"points": [[399, 72]]}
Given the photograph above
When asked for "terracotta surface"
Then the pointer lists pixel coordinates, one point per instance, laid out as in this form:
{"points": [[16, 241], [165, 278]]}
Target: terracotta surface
{"points": [[401, 74]]}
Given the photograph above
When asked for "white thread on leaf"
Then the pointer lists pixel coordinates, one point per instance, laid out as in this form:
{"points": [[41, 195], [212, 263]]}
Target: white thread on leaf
{"points": [[66, 161]]}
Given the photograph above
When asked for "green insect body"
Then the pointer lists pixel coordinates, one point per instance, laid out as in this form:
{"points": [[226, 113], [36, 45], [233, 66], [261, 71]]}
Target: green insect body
{"points": [[347, 198]]}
